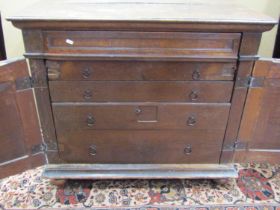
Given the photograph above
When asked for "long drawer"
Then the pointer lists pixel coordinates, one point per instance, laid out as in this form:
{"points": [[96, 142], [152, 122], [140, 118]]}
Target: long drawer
{"points": [[139, 70], [142, 44], [141, 146], [110, 116], [129, 91]]}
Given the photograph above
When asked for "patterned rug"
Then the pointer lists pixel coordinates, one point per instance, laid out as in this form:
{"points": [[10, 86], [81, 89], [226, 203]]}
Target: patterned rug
{"points": [[258, 187]]}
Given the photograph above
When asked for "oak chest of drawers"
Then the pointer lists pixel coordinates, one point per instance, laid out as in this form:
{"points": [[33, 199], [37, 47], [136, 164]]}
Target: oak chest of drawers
{"points": [[140, 90]]}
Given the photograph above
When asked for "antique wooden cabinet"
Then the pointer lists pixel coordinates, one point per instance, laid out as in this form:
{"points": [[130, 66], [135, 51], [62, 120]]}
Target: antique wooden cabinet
{"points": [[149, 89]]}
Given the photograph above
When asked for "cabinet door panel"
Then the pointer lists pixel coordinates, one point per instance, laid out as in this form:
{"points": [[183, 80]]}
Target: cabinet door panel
{"points": [[19, 126], [260, 126]]}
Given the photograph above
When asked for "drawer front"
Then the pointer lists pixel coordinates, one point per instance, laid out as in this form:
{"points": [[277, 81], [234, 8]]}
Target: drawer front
{"points": [[127, 91], [140, 116], [142, 44], [141, 146], [140, 70]]}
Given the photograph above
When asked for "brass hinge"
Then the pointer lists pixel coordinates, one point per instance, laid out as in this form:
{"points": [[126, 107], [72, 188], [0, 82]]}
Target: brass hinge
{"points": [[39, 148], [237, 145], [23, 83], [250, 82]]}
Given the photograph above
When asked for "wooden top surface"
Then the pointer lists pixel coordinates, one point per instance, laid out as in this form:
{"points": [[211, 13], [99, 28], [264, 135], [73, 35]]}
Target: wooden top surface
{"points": [[194, 11]]}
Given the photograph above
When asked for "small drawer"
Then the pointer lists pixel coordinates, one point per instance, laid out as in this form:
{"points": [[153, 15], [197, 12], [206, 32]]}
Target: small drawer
{"points": [[139, 70], [129, 91], [113, 146], [140, 116], [142, 44]]}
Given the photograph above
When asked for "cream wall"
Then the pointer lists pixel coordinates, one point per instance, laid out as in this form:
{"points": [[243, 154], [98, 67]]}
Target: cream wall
{"points": [[12, 36], [271, 8], [14, 43]]}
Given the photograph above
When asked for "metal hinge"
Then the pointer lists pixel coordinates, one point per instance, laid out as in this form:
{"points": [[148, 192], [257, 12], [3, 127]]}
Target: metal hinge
{"points": [[250, 82], [39, 148], [256, 82], [237, 145], [23, 83]]}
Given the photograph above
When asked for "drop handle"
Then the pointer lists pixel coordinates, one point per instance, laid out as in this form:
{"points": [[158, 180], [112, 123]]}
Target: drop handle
{"points": [[92, 150], [193, 95], [90, 120], [188, 149], [191, 121], [86, 73], [196, 75], [87, 94], [138, 111]]}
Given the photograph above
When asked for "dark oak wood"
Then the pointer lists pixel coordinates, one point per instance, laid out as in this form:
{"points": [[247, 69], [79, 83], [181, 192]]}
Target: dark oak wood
{"points": [[235, 115], [126, 91], [257, 156], [142, 44], [41, 91], [141, 146], [248, 54], [163, 15], [260, 121], [147, 78], [20, 132], [22, 164], [139, 71], [133, 116]]}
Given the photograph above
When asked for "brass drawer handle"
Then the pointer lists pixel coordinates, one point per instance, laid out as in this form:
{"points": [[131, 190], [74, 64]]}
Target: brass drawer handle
{"points": [[193, 95], [87, 94], [191, 121], [188, 149], [196, 75], [92, 150], [86, 73], [90, 120]]}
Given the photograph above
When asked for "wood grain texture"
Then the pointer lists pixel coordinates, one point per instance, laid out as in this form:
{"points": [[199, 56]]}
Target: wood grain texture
{"points": [[21, 164], [122, 146], [12, 133], [39, 74], [139, 70], [182, 11], [142, 44], [236, 111], [248, 51], [260, 122], [126, 116], [119, 78], [19, 125], [127, 91], [257, 156]]}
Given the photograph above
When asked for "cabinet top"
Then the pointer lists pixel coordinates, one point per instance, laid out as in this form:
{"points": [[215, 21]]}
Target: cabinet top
{"points": [[148, 11]]}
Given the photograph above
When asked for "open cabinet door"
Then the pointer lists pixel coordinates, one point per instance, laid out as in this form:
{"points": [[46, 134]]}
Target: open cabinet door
{"points": [[260, 125], [21, 146]]}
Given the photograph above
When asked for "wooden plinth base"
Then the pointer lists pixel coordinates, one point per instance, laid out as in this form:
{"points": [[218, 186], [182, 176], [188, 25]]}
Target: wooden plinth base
{"points": [[140, 171]]}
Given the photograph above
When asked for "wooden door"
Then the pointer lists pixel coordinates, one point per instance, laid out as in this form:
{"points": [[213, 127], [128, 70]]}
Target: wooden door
{"points": [[260, 126], [21, 145]]}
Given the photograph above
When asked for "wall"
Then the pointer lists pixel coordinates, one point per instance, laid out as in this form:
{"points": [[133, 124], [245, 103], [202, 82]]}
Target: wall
{"points": [[271, 8], [12, 36], [14, 43]]}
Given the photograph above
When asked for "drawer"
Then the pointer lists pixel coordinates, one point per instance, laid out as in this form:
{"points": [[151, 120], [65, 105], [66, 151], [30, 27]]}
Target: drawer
{"points": [[140, 116], [142, 44], [137, 91], [141, 147], [139, 70]]}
